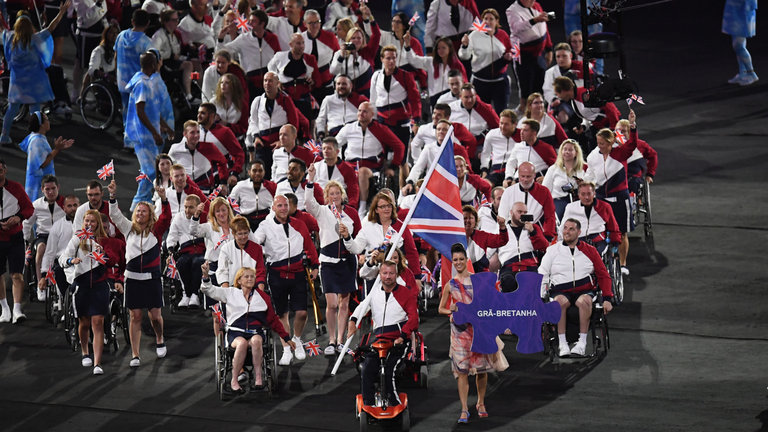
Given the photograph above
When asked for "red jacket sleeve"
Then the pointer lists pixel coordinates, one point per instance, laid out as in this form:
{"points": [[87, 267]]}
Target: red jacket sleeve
{"points": [[407, 301], [193, 189], [485, 239], [560, 134], [650, 156], [487, 113], [290, 109], [459, 150], [310, 222], [612, 114], [414, 98], [272, 319], [538, 240], [606, 212], [241, 126], [624, 151], [410, 281], [411, 253], [350, 179], [389, 141], [481, 184], [163, 222], [352, 213], [309, 247], [546, 151], [229, 140], [316, 78], [603, 278], [466, 138], [212, 153], [368, 52], [261, 269], [544, 197]]}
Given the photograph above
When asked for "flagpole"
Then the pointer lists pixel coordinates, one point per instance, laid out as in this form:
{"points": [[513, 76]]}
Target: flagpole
{"points": [[396, 238]]}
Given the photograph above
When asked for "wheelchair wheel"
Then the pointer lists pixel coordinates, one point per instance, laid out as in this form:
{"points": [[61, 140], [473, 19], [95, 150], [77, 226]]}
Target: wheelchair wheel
{"points": [[226, 370], [51, 297], [424, 376], [31, 278], [600, 339], [98, 106], [647, 213], [219, 364], [273, 362], [617, 280], [71, 325], [125, 322], [363, 421], [549, 339], [405, 420]]}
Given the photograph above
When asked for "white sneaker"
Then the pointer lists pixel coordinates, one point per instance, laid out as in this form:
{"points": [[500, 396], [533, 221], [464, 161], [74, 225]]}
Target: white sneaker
{"points": [[624, 271], [579, 349], [748, 80], [19, 317], [87, 361], [339, 348], [330, 350], [161, 350], [285, 360], [135, 362], [97, 370], [564, 350], [735, 80], [42, 295], [184, 301], [6, 315], [300, 353], [194, 301]]}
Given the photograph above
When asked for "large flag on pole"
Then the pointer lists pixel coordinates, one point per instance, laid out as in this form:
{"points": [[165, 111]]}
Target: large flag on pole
{"points": [[436, 214]]}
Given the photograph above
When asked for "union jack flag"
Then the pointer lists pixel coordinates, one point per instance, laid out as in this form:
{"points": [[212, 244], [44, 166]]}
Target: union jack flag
{"points": [[314, 147], [28, 255], [50, 276], [312, 347], [426, 275], [242, 24], [171, 271], [436, 214], [86, 234], [479, 25], [223, 239], [218, 313], [485, 202], [335, 211], [357, 167], [516, 51], [141, 176], [202, 51], [106, 171], [636, 98], [620, 137], [388, 236], [234, 204], [413, 19], [215, 193], [99, 257]]}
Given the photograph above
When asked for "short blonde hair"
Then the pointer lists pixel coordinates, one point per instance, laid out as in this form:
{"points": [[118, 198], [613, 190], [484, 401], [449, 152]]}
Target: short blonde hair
{"points": [[330, 184], [239, 274], [215, 204]]}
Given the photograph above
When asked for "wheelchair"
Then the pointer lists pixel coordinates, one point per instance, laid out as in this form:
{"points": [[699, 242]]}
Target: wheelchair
{"points": [[598, 331], [118, 321], [613, 266], [100, 104], [30, 275], [223, 354], [380, 410], [70, 323], [641, 208]]}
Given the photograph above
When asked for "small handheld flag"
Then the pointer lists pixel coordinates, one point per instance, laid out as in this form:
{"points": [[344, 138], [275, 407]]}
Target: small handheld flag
{"points": [[242, 24], [141, 177], [106, 171], [314, 147], [234, 204], [217, 313], [50, 276], [335, 211], [171, 271], [620, 137], [313, 349], [99, 257], [516, 51], [636, 98], [86, 234], [215, 193], [479, 25], [413, 19]]}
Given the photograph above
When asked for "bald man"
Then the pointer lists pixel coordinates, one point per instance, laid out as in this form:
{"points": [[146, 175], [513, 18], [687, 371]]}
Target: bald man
{"points": [[536, 197]]}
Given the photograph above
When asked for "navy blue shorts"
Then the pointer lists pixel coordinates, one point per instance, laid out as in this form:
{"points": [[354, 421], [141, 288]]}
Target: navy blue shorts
{"points": [[91, 299], [143, 294], [253, 331], [12, 253], [288, 294], [573, 296], [339, 278], [622, 211]]}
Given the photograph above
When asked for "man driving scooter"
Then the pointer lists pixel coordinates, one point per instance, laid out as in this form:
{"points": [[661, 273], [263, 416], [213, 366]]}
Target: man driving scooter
{"points": [[395, 316]]}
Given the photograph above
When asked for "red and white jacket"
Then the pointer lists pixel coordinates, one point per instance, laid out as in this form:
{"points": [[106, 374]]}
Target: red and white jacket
{"points": [[394, 315], [327, 45], [534, 38], [371, 236], [332, 248], [610, 173], [15, 202], [470, 187], [142, 251], [296, 87], [176, 200], [284, 248], [181, 234], [538, 199], [257, 311], [232, 257], [255, 52], [44, 215], [595, 225], [281, 158], [487, 54], [481, 241], [266, 126], [369, 147], [644, 152], [335, 112], [540, 154], [497, 149], [520, 251], [284, 186], [397, 103], [359, 65], [201, 163], [343, 173], [461, 135], [225, 140], [254, 198], [550, 130], [439, 20], [573, 270], [199, 32], [479, 119], [603, 117]]}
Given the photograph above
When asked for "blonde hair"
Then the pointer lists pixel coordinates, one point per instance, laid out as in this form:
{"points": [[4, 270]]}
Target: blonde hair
{"points": [[239, 274], [351, 32], [607, 135], [22, 31], [152, 219], [99, 232], [326, 193], [578, 162], [215, 204], [236, 90]]}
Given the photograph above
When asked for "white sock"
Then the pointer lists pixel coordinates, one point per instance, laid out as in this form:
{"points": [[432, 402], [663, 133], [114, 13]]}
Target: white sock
{"points": [[563, 341], [287, 348], [362, 205], [4, 304], [17, 308], [583, 338]]}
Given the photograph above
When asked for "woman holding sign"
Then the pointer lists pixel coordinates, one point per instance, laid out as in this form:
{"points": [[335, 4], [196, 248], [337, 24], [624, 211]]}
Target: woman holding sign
{"points": [[463, 361], [337, 266]]}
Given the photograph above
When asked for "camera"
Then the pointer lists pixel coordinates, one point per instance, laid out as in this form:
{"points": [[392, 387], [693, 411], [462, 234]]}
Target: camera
{"points": [[526, 218], [349, 46], [567, 187], [551, 16]]}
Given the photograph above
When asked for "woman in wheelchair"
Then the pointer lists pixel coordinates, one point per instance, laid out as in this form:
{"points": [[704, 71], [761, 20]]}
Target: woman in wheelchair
{"points": [[249, 317], [102, 64]]}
